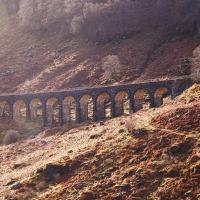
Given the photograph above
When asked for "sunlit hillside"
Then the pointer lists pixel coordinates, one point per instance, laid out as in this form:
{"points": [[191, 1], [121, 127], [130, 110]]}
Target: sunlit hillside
{"points": [[150, 154], [90, 103]]}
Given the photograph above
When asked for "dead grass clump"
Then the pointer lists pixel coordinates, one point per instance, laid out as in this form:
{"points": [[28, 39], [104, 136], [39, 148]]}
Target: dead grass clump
{"points": [[11, 136], [136, 132]]}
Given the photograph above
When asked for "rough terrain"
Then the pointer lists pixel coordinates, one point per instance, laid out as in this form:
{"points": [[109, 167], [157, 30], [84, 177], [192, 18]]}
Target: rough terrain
{"points": [[131, 157], [152, 154]]}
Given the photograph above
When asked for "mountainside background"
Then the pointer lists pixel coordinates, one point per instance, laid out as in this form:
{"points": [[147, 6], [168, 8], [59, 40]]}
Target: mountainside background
{"points": [[70, 43], [52, 44]]}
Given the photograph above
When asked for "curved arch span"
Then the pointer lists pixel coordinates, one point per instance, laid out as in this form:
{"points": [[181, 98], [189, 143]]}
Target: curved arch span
{"points": [[19, 110], [160, 94], [69, 110], [122, 103], [141, 99], [86, 104], [104, 106], [52, 111], [36, 109], [4, 109]]}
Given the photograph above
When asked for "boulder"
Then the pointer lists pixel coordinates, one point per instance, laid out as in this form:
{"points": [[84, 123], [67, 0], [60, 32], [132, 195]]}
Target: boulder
{"points": [[16, 186]]}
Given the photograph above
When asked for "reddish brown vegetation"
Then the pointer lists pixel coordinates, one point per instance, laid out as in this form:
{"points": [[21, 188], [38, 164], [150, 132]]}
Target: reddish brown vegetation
{"points": [[146, 167], [113, 163], [181, 119]]}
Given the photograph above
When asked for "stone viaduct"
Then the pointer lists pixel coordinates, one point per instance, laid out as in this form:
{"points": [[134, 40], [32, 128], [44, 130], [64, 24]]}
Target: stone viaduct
{"points": [[61, 107]]}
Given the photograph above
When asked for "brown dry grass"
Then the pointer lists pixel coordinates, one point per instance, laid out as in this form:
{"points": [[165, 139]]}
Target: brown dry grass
{"points": [[192, 94], [113, 165], [149, 166]]}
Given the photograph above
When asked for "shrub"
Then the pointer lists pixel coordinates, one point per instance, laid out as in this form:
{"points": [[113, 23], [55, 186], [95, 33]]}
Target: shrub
{"points": [[135, 131], [11, 136], [111, 66], [129, 124]]}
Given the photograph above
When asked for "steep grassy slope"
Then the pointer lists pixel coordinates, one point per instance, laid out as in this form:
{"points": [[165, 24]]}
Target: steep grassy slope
{"points": [[108, 162], [31, 63], [158, 158]]}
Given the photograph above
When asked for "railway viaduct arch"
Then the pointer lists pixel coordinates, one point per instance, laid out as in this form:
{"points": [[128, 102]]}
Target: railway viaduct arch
{"points": [[59, 107]]}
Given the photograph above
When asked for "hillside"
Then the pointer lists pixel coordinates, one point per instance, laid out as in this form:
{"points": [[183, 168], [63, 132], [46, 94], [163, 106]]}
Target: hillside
{"points": [[41, 51], [120, 159], [151, 154]]}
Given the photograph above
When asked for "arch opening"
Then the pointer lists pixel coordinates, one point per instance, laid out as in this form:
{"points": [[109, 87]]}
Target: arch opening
{"points": [[52, 111], [160, 95], [36, 110], [122, 105], [69, 110], [104, 109], [4, 109], [141, 100], [19, 110], [86, 103]]}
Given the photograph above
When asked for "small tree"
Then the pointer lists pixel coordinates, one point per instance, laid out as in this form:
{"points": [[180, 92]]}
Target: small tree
{"points": [[112, 67]]}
